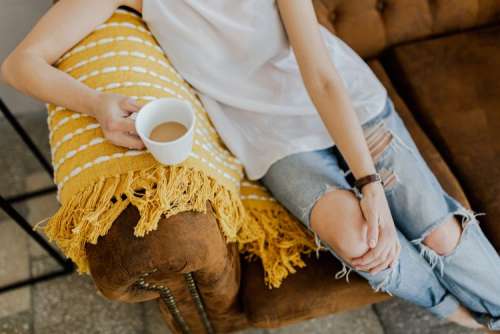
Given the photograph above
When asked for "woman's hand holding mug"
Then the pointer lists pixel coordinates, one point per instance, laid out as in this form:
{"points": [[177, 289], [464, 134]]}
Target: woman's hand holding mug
{"points": [[113, 112]]}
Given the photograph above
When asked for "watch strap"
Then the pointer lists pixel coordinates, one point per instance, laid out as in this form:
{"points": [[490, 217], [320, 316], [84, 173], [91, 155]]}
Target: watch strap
{"points": [[363, 181]]}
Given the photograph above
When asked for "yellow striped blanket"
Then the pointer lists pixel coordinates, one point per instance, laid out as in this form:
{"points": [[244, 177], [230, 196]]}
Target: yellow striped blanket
{"points": [[96, 179]]}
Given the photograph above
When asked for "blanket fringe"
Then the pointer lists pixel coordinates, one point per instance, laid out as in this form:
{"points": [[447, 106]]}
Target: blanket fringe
{"points": [[277, 238], [270, 234]]}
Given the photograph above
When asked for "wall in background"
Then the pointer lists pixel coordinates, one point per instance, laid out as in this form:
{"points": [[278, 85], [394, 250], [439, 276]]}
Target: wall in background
{"points": [[17, 17]]}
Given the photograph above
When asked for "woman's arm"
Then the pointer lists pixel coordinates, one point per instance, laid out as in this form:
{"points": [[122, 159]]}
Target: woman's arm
{"points": [[324, 85], [329, 95], [28, 68]]}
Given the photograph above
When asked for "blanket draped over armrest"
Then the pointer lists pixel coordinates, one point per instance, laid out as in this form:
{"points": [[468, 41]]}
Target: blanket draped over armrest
{"points": [[97, 180]]}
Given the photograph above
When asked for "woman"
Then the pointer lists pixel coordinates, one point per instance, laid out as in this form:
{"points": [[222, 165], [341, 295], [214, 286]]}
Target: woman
{"points": [[313, 124]]}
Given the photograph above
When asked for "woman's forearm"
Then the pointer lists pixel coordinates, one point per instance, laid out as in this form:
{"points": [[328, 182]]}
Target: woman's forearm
{"points": [[28, 68], [32, 75], [333, 104], [324, 85]]}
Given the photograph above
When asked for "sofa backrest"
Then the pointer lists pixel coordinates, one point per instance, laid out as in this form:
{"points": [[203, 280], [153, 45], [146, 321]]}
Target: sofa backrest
{"points": [[370, 26]]}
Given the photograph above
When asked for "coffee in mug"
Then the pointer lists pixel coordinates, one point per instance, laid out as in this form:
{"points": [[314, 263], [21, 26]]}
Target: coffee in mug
{"points": [[167, 131], [166, 127]]}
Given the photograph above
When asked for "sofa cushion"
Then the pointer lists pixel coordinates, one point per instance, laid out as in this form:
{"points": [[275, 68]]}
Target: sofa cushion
{"points": [[313, 291], [453, 86]]}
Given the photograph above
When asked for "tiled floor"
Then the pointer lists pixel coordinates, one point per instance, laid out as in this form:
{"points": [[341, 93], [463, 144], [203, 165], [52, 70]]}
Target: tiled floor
{"points": [[71, 305]]}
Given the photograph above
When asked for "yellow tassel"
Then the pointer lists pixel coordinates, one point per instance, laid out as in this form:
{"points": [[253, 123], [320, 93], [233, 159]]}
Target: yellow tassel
{"points": [[269, 233], [156, 192], [272, 234]]}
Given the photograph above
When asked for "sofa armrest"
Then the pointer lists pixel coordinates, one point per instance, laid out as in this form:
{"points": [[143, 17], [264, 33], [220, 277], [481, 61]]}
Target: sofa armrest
{"points": [[186, 245]]}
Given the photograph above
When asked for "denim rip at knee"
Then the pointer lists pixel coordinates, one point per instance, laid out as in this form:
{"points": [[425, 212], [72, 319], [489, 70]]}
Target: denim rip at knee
{"points": [[387, 137]]}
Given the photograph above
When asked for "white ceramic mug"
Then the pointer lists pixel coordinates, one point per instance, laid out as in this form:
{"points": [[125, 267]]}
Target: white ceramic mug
{"points": [[161, 111]]}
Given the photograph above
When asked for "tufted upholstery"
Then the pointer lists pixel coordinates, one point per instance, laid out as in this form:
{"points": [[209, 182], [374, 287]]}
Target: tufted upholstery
{"points": [[370, 26]]}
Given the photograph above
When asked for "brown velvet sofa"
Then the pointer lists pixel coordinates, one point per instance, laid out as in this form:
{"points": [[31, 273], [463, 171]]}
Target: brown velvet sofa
{"points": [[440, 61]]}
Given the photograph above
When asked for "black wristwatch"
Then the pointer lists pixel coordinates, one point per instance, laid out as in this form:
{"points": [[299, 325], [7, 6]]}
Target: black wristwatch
{"points": [[363, 181]]}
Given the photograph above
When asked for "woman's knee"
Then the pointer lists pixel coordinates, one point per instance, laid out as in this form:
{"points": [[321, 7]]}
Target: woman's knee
{"points": [[444, 238], [337, 219]]}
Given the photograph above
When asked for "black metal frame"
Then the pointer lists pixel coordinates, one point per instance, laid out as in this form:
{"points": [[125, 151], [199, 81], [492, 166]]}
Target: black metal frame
{"points": [[6, 205]]}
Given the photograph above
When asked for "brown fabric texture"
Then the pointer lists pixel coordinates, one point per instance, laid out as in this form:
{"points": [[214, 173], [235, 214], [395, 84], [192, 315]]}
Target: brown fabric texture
{"points": [[313, 291], [370, 26], [454, 88], [187, 242]]}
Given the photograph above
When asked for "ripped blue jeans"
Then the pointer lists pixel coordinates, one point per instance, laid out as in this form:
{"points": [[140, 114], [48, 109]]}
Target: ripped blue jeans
{"points": [[470, 275]]}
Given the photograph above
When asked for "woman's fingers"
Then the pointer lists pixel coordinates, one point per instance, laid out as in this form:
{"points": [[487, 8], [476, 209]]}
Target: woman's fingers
{"points": [[126, 125], [372, 222], [371, 255], [127, 140], [372, 232], [381, 233], [383, 265], [391, 257], [386, 259], [373, 258], [130, 105]]}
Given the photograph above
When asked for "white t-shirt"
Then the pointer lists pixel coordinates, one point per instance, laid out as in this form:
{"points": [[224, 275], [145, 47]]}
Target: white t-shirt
{"points": [[237, 57]]}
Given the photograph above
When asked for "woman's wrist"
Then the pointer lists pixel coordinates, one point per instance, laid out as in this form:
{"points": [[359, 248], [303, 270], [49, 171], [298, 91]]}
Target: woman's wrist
{"points": [[372, 188], [367, 179], [93, 102], [362, 165]]}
